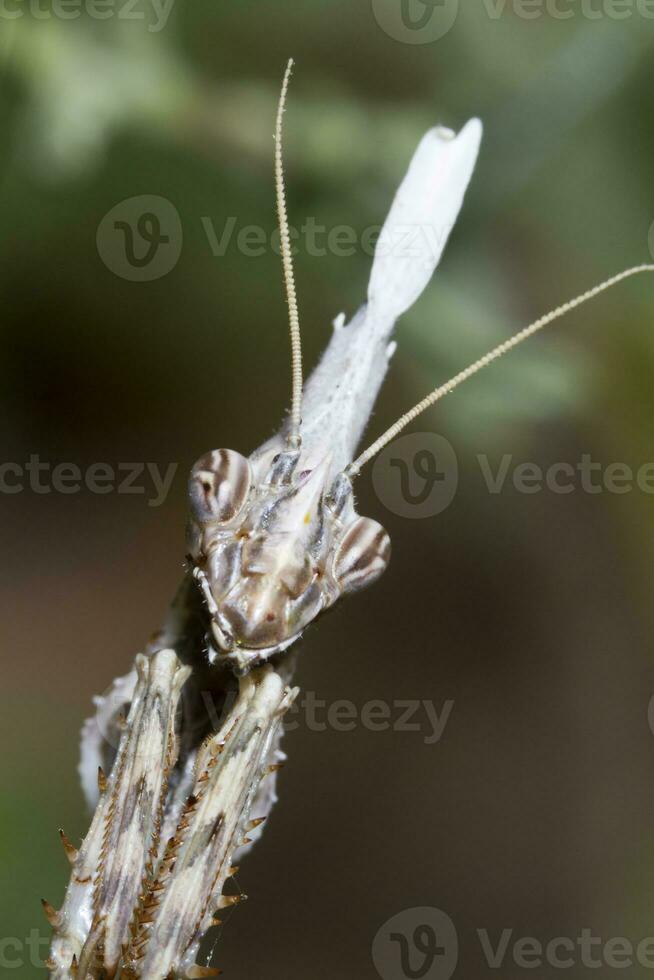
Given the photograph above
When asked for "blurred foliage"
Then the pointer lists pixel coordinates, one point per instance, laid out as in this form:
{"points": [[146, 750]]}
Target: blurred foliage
{"points": [[93, 367], [90, 105]]}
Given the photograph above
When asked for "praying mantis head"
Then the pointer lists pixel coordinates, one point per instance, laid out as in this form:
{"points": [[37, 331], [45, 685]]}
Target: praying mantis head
{"points": [[275, 539], [272, 547]]}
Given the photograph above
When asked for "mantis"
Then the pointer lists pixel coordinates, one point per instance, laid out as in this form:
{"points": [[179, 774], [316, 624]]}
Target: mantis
{"points": [[274, 539]]}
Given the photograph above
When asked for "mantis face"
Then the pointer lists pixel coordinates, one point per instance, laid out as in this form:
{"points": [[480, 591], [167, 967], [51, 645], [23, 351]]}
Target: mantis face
{"points": [[273, 546]]}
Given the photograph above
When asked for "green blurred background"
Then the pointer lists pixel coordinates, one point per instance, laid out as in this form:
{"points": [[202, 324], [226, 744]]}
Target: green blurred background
{"points": [[531, 612]]}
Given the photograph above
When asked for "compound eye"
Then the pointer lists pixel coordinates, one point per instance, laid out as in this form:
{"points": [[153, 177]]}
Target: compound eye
{"points": [[362, 556], [219, 486]]}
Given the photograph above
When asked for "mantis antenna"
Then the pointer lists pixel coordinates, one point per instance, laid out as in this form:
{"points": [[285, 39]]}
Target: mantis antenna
{"points": [[354, 468], [289, 278]]}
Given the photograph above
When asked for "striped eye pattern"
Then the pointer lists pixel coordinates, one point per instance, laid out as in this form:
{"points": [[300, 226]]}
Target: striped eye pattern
{"points": [[219, 486], [362, 556]]}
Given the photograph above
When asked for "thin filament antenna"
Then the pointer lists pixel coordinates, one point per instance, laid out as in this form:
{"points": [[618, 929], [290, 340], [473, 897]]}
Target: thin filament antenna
{"points": [[289, 278], [354, 468]]}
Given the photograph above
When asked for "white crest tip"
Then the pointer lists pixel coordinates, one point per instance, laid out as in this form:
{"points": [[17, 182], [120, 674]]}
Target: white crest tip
{"points": [[421, 218]]}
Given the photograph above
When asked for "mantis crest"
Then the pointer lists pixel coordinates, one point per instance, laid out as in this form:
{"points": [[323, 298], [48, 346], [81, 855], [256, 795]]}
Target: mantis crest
{"points": [[274, 539]]}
